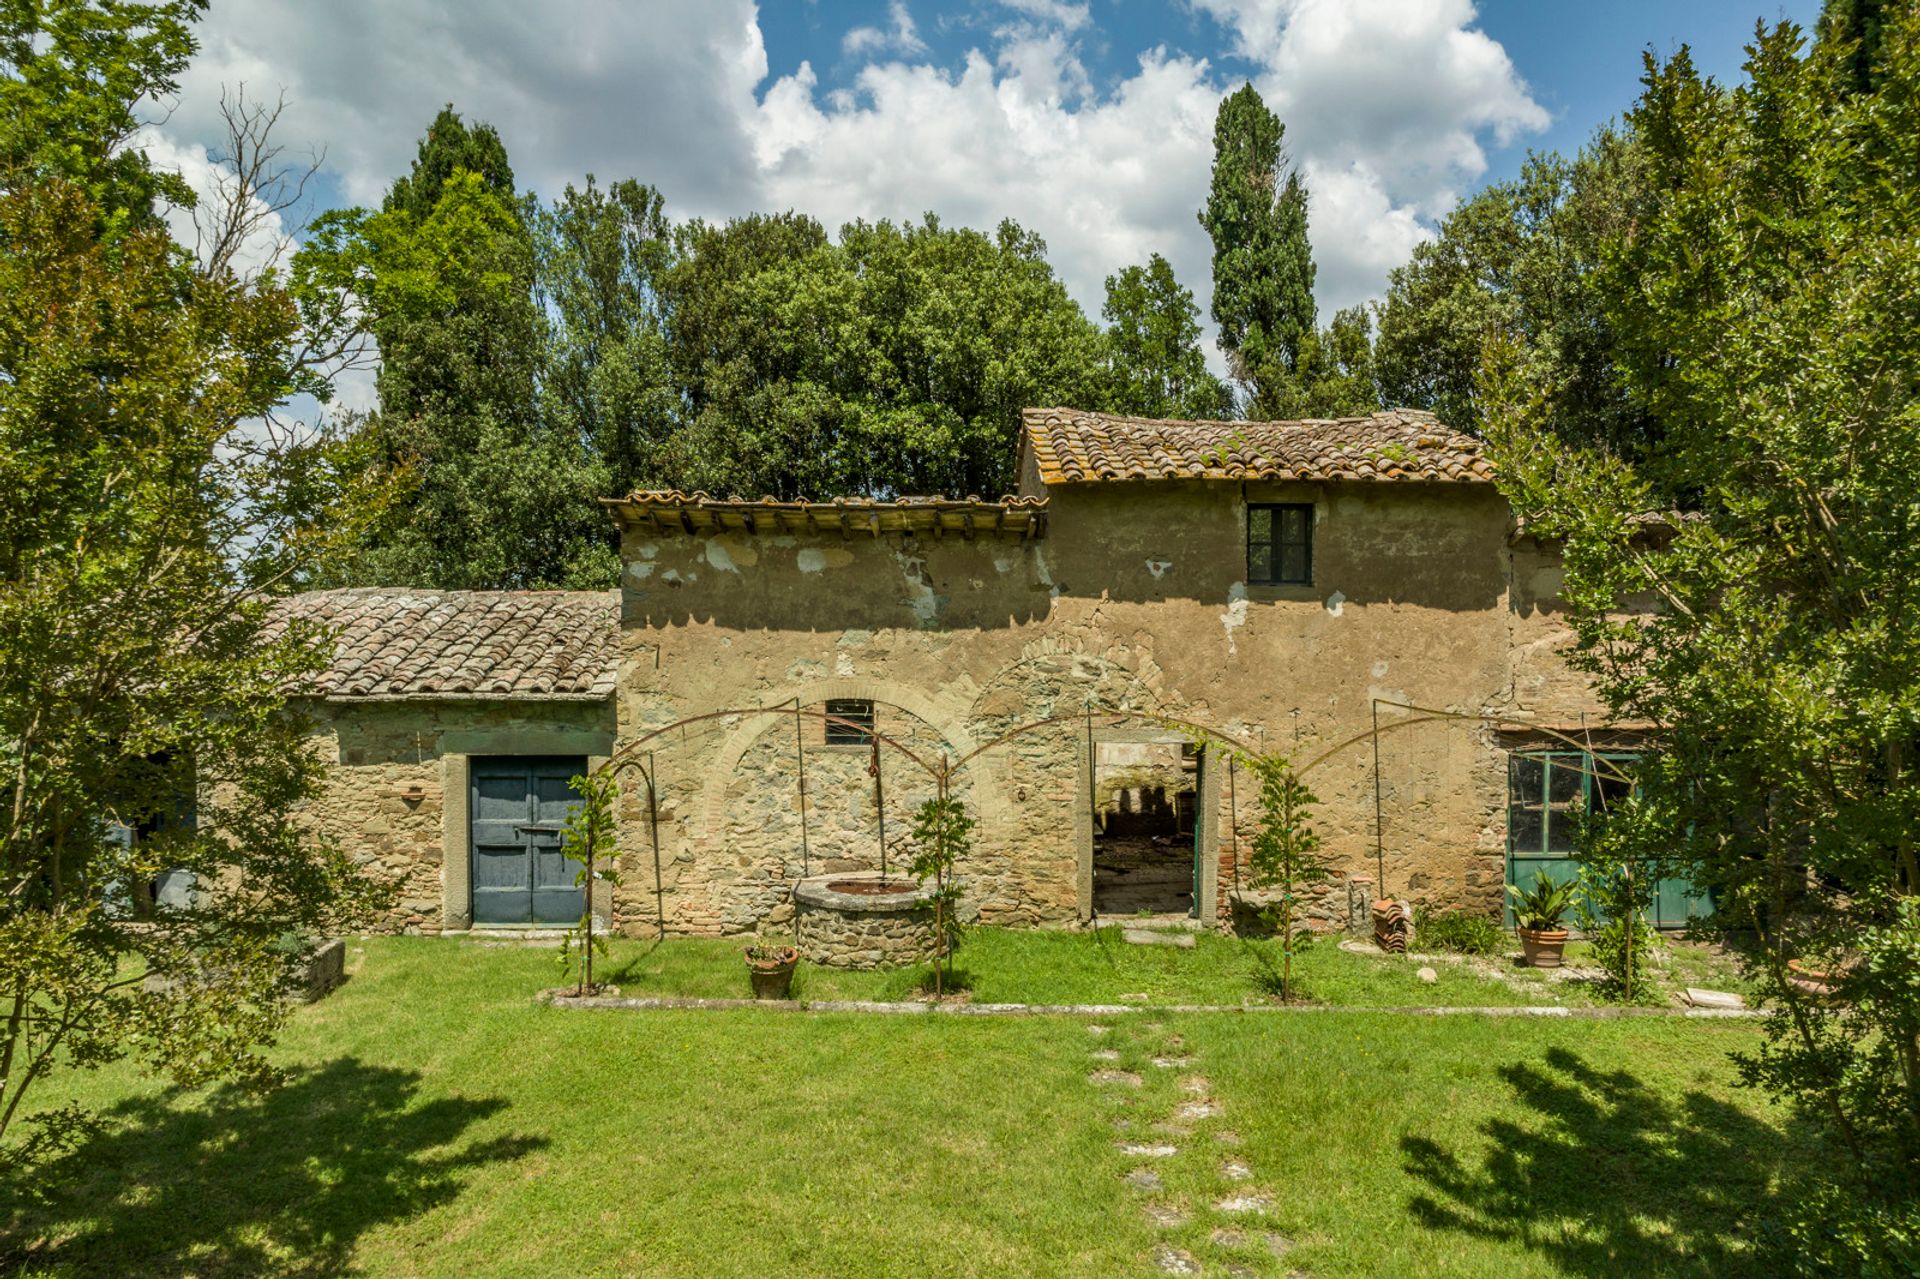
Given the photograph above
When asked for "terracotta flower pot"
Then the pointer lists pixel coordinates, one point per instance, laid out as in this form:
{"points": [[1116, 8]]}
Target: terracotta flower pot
{"points": [[1543, 947], [772, 978], [1811, 981]]}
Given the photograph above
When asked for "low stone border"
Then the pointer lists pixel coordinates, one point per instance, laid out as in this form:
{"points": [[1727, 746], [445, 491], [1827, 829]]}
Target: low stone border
{"points": [[671, 1002]]}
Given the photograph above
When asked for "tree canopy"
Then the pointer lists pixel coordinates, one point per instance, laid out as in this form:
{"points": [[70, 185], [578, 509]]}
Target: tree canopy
{"points": [[1748, 586], [150, 512]]}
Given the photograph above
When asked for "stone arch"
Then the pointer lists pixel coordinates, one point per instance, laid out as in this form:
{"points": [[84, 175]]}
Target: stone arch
{"points": [[718, 775]]}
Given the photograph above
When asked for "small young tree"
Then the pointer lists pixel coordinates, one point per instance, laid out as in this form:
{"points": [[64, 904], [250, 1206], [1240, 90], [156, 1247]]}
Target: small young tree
{"points": [[588, 840], [1286, 852], [941, 835]]}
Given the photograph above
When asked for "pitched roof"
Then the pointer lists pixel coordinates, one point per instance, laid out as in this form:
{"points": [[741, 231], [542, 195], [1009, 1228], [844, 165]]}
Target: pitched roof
{"points": [[395, 642], [671, 511], [1071, 447]]}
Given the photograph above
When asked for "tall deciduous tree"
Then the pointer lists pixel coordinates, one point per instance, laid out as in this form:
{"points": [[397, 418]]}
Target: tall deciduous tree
{"points": [[1523, 257], [1153, 347], [443, 276], [1256, 215], [143, 723], [601, 265], [1766, 307], [76, 74], [895, 361]]}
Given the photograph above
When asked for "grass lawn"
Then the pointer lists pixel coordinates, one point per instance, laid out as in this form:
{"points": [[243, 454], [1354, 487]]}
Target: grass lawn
{"points": [[439, 1122]]}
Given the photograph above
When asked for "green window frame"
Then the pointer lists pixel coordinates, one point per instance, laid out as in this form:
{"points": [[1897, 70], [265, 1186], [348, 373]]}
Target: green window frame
{"points": [[1546, 790], [1280, 543]]}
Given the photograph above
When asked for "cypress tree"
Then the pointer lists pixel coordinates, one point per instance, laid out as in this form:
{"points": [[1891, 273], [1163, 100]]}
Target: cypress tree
{"points": [[1256, 215]]}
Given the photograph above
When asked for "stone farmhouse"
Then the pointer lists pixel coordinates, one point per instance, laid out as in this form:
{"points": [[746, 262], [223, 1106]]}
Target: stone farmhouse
{"points": [[1282, 585]]}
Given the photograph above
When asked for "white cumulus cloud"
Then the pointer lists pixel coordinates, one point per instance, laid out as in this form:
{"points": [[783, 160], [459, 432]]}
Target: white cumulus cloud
{"points": [[1389, 105]]}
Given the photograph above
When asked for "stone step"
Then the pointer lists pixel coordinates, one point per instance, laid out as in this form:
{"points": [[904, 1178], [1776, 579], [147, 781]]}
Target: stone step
{"points": [[1156, 937]]}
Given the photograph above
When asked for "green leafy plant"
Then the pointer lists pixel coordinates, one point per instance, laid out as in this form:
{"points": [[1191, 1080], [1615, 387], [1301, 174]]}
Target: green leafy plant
{"points": [[1543, 907], [768, 951], [588, 840], [941, 836], [1285, 853], [1462, 933]]}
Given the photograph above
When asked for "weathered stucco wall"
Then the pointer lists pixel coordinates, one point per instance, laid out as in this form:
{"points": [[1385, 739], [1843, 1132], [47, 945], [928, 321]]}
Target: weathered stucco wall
{"points": [[1134, 599], [383, 753]]}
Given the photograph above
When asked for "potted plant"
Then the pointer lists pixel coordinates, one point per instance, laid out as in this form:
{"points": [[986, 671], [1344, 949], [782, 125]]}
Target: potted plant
{"points": [[1537, 915], [770, 965]]}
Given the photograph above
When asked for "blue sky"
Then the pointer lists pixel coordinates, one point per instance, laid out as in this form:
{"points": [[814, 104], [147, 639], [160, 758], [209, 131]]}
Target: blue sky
{"points": [[1088, 121]]}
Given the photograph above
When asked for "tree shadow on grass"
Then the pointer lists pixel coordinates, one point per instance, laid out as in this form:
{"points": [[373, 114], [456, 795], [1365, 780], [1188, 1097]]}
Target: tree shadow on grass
{"points": [[1608, 1176], [282, 1184]]}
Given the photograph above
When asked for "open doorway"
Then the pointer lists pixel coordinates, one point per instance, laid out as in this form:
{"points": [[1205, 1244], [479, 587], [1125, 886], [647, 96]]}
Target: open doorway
{"points": [[1145, 811]]}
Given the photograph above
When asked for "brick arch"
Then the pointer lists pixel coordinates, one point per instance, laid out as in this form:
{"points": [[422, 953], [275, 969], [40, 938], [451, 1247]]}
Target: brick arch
{"points": [[990, 800]]}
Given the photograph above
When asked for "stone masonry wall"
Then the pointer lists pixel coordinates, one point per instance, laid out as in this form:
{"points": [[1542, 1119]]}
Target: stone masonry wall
{"points": [[384, 799], [1134, 600]]}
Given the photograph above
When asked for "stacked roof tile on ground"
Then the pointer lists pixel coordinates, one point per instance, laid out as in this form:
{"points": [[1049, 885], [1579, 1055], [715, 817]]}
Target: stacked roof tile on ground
{"points": [[1070, 446], [400, 642]]}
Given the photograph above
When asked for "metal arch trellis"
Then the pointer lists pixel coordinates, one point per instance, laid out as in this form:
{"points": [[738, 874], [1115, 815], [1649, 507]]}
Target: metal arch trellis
{"points": [[948, 766], [942, 772]]}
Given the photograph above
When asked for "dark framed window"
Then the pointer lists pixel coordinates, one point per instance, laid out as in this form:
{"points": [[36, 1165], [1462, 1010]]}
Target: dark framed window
{"points": [[1546, 792], [1280, 544], [857, 733]]}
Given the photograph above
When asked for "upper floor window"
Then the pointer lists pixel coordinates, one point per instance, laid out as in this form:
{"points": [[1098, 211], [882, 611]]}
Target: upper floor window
{"points": [[1280, 544], [852, 722]]}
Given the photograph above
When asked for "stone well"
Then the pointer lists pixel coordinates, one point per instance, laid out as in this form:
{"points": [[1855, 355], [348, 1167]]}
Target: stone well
{"points": [[849, 921]]}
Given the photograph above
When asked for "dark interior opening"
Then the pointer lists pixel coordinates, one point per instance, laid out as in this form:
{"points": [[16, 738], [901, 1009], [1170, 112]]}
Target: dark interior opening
{"points": [[1143, 834]]}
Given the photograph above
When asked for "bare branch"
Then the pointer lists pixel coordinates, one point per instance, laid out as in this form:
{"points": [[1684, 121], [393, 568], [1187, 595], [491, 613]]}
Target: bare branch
{"points": [[255, 187]]}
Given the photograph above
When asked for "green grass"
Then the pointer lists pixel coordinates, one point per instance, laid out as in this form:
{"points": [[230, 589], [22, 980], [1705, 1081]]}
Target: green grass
{"points": [[439, 1122], [998, 965]]}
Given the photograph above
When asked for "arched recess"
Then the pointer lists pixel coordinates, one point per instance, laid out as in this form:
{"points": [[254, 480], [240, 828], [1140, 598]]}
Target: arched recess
{"points": [[990, 799]]}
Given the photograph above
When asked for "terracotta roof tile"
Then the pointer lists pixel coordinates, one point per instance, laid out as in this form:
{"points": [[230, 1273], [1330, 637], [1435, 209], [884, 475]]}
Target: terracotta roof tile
{"points": [[671, 511], [1073, 447], [398, 642]]}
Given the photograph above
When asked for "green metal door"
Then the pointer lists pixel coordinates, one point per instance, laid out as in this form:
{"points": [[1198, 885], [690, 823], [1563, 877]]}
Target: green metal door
{"points": [[1546, 793]]}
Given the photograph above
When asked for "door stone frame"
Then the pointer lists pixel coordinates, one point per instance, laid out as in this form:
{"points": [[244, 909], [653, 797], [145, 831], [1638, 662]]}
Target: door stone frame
{"points": [[456, 750], [1206, 816]]}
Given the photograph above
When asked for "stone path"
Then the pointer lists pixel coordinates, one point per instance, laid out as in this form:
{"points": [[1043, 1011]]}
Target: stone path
{"points": [[1239, 1200]]}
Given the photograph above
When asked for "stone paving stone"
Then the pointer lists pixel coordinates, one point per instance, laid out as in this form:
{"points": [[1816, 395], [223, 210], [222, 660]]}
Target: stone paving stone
{"points": [[1154, 937], [1234, 1170], [1146, 1150], [1126, 1078], [1098, 1030], [1197, 1085], [1173, 1063], [1278, 1244], [1246, 1201], [1714, 998], [1226, 1238], [1165, 1216], [1106, 1054], [1176, 1041], [1197, 1110], [1172, 1261], [1123, 1124], [1227, 1137], [1135, 997], [1144, 1179], [1168, 1129], [1238, 1271]]}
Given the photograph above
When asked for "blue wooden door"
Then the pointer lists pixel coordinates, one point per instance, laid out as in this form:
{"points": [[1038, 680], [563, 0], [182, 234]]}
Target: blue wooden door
{"points": [[518, 806]]}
